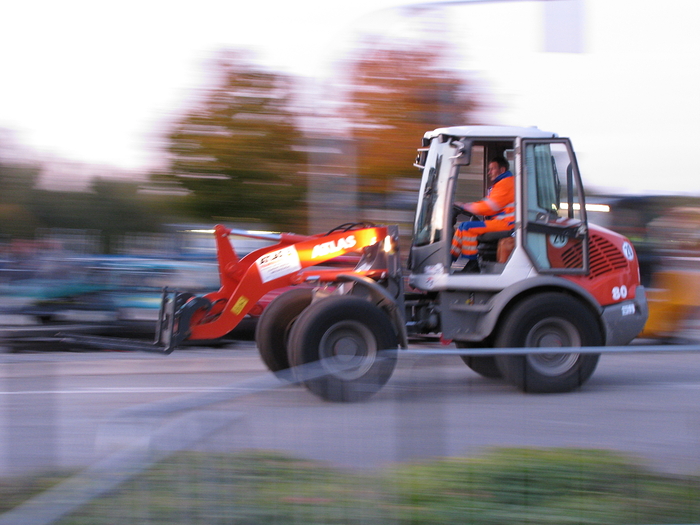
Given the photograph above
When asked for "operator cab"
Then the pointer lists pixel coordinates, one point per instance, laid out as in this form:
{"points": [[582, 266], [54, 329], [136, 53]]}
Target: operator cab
{"points": [[550, 231], [472, 184]]}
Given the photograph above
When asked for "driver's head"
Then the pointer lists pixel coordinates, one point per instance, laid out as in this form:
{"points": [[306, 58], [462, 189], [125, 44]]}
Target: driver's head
{"points": [[497, 166]]}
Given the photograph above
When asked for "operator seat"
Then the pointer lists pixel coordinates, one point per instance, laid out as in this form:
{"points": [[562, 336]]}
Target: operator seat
{"points": [[496, 246]]}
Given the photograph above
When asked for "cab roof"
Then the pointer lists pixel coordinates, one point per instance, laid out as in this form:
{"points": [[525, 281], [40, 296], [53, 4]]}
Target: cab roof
{"points": [[491, 132]]}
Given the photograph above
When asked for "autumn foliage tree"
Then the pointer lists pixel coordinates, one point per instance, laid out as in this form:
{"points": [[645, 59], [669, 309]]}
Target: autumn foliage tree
{"points": [[397, 94], [236, 153]]}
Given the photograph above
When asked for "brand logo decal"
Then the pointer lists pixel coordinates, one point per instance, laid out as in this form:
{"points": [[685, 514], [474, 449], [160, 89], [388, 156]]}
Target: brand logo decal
{"points": [[628, 251], [278, 263], [331, 247]]}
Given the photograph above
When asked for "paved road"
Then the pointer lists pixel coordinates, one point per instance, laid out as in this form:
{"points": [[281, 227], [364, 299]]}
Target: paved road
{"points": [[67, 410]]}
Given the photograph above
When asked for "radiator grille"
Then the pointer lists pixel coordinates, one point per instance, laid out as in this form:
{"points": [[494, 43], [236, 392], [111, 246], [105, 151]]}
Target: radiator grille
{"points": [[604, 257]]}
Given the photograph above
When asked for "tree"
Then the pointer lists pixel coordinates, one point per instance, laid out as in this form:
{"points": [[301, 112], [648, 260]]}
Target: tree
{"points": [[111, 207], [236, 151], [17, 183], [397, 94]]}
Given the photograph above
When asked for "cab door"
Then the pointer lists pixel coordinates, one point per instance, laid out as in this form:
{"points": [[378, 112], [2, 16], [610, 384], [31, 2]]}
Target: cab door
{"points": [[555, 229]]}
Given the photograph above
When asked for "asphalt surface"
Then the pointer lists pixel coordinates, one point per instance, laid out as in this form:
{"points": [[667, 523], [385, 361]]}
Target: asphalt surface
{"points": [[67, 410]]}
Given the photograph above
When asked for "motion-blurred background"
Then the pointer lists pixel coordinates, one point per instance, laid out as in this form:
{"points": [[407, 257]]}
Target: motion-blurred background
{"points": [[126, 130], [129, 129]]}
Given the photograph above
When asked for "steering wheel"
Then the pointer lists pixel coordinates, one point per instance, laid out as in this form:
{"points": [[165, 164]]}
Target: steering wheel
{"points": [[457, 211]]}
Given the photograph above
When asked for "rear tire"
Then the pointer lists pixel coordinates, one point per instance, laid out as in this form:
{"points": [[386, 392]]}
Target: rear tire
{"points": [[355, 342], [484, 365], [548, 320], [275, 323]]}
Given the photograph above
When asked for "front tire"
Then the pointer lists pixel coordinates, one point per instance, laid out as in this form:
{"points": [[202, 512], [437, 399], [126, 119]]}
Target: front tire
{"points": [[355, 343], [274, 326], [548, 320]]}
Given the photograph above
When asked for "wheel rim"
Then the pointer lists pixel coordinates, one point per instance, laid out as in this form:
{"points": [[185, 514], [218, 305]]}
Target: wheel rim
{"points": [[553, 332], [348, 350]]}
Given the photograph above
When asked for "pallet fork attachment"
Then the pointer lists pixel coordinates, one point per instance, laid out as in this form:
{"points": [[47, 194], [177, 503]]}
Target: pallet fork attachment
{"points": [[168, 334]]}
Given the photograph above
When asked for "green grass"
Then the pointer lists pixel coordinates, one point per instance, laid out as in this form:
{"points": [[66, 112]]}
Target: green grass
{"points": [[14, 491], [506, 486]]}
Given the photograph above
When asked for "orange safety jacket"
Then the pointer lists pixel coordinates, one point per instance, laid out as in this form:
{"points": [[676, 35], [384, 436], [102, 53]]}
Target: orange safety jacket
{"points": [[498, 209], [499, 203]]}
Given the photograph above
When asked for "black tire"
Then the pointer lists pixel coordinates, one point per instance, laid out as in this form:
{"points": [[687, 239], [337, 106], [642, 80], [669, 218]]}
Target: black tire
{"points": [[348, 334], [484, 365], [547, 320], [274, 325]]}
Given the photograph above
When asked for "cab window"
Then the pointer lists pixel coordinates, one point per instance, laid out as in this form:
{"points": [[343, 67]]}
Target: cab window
{"points": [[556, 234]]}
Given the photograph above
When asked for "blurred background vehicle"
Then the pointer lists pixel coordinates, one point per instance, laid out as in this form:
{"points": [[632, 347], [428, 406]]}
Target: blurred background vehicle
{"points": [[665, 231], [46, 286], [674, 296]]}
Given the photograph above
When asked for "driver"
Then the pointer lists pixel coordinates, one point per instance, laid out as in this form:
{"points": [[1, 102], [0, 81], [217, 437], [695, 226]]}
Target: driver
{"points": [[498, 209]]}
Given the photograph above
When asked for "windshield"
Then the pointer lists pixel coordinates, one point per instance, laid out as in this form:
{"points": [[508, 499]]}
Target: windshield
{"points": [[429, 218], [424, 233]]}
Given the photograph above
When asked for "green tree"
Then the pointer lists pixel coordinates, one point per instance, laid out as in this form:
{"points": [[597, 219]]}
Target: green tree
{"points": [[397, 94], [236, 151], [110, 207], [16, 190]]}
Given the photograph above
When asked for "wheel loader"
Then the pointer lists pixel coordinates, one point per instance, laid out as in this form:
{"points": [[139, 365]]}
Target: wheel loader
{"points": [[554, 281]]}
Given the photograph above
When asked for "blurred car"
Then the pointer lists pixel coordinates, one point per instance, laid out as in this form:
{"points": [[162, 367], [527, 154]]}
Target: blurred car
{"points": [[120, 293], [116, 295]]}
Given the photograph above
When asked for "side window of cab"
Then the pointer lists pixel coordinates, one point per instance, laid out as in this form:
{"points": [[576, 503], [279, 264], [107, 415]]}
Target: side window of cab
{"points": [[555, 219]]}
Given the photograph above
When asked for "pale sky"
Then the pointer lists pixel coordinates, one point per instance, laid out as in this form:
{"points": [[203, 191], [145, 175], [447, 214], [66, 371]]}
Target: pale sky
{"points": [[96, 82]]}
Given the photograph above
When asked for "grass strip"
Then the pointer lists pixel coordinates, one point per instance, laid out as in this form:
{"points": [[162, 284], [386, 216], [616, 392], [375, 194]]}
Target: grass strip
{"points": [[514, 486]]}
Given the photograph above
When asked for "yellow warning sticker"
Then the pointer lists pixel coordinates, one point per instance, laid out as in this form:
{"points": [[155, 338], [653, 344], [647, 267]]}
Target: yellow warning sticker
{"points": [[240, 304]]}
